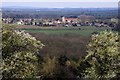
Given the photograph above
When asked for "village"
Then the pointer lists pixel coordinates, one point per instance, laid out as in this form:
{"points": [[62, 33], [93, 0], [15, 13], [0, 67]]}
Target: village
{"points": [[64, 21]]}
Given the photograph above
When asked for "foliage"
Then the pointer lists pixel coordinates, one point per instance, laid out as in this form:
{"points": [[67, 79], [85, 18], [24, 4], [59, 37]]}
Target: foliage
{"points": [[50, 67], [101, 13], [18, 53], [81, 68], [73, 65], [57, 68], [20, 56], [103, 56]]}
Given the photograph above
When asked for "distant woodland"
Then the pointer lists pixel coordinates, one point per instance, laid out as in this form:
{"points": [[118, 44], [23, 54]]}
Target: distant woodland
{"points": [[99, 13]]}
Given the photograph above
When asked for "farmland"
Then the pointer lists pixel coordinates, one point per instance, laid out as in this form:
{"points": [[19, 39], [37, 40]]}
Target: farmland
{"points": [[69, 41], [83, 31]]}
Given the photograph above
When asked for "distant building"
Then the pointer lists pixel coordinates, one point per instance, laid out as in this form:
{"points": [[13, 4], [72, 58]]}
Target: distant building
{"points": [[86, 18], [7, 20], [21, 22], [69, 20], [114, 20]]}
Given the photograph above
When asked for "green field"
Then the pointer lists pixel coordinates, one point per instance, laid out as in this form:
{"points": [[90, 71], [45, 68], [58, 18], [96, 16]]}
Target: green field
{"points": [[83, 31]]}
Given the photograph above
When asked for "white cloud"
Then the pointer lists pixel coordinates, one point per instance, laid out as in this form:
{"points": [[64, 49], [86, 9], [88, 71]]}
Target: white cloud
{"points": [[60, 1]]}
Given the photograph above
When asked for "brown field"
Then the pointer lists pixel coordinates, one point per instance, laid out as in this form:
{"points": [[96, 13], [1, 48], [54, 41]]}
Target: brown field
{"points": [[73, 46]]}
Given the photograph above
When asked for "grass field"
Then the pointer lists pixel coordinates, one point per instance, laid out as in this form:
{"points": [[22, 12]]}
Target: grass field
{"points": [[83, 31]]}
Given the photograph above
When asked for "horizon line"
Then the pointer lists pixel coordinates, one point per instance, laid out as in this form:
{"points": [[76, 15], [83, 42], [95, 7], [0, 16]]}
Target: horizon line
{"points": [[51, 7], [61, 4]]}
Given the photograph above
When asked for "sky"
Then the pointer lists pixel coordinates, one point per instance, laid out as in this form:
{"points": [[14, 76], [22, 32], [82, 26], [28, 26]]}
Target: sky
{"points": [[60, 0], [61, 3]]}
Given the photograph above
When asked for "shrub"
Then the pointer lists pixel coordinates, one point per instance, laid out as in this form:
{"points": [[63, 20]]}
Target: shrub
{"points": [[103, 55], [19, 53], [50, 67]]}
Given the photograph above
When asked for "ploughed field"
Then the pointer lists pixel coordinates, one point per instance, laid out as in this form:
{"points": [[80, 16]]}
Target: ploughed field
{"points": [[69, 41]]}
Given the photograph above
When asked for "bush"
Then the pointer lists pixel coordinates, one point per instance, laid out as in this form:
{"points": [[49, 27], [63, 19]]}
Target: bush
{"points": [[19, 53], [103, 56], [50, 67]]}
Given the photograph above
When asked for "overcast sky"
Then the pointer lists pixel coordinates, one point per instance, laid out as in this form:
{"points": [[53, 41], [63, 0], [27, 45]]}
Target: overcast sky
{"points": [[62, 3], [60, 0]]}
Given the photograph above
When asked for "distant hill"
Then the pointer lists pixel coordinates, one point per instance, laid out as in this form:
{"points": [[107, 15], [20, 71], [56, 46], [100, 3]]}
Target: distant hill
{"points": [[31, 12]]}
